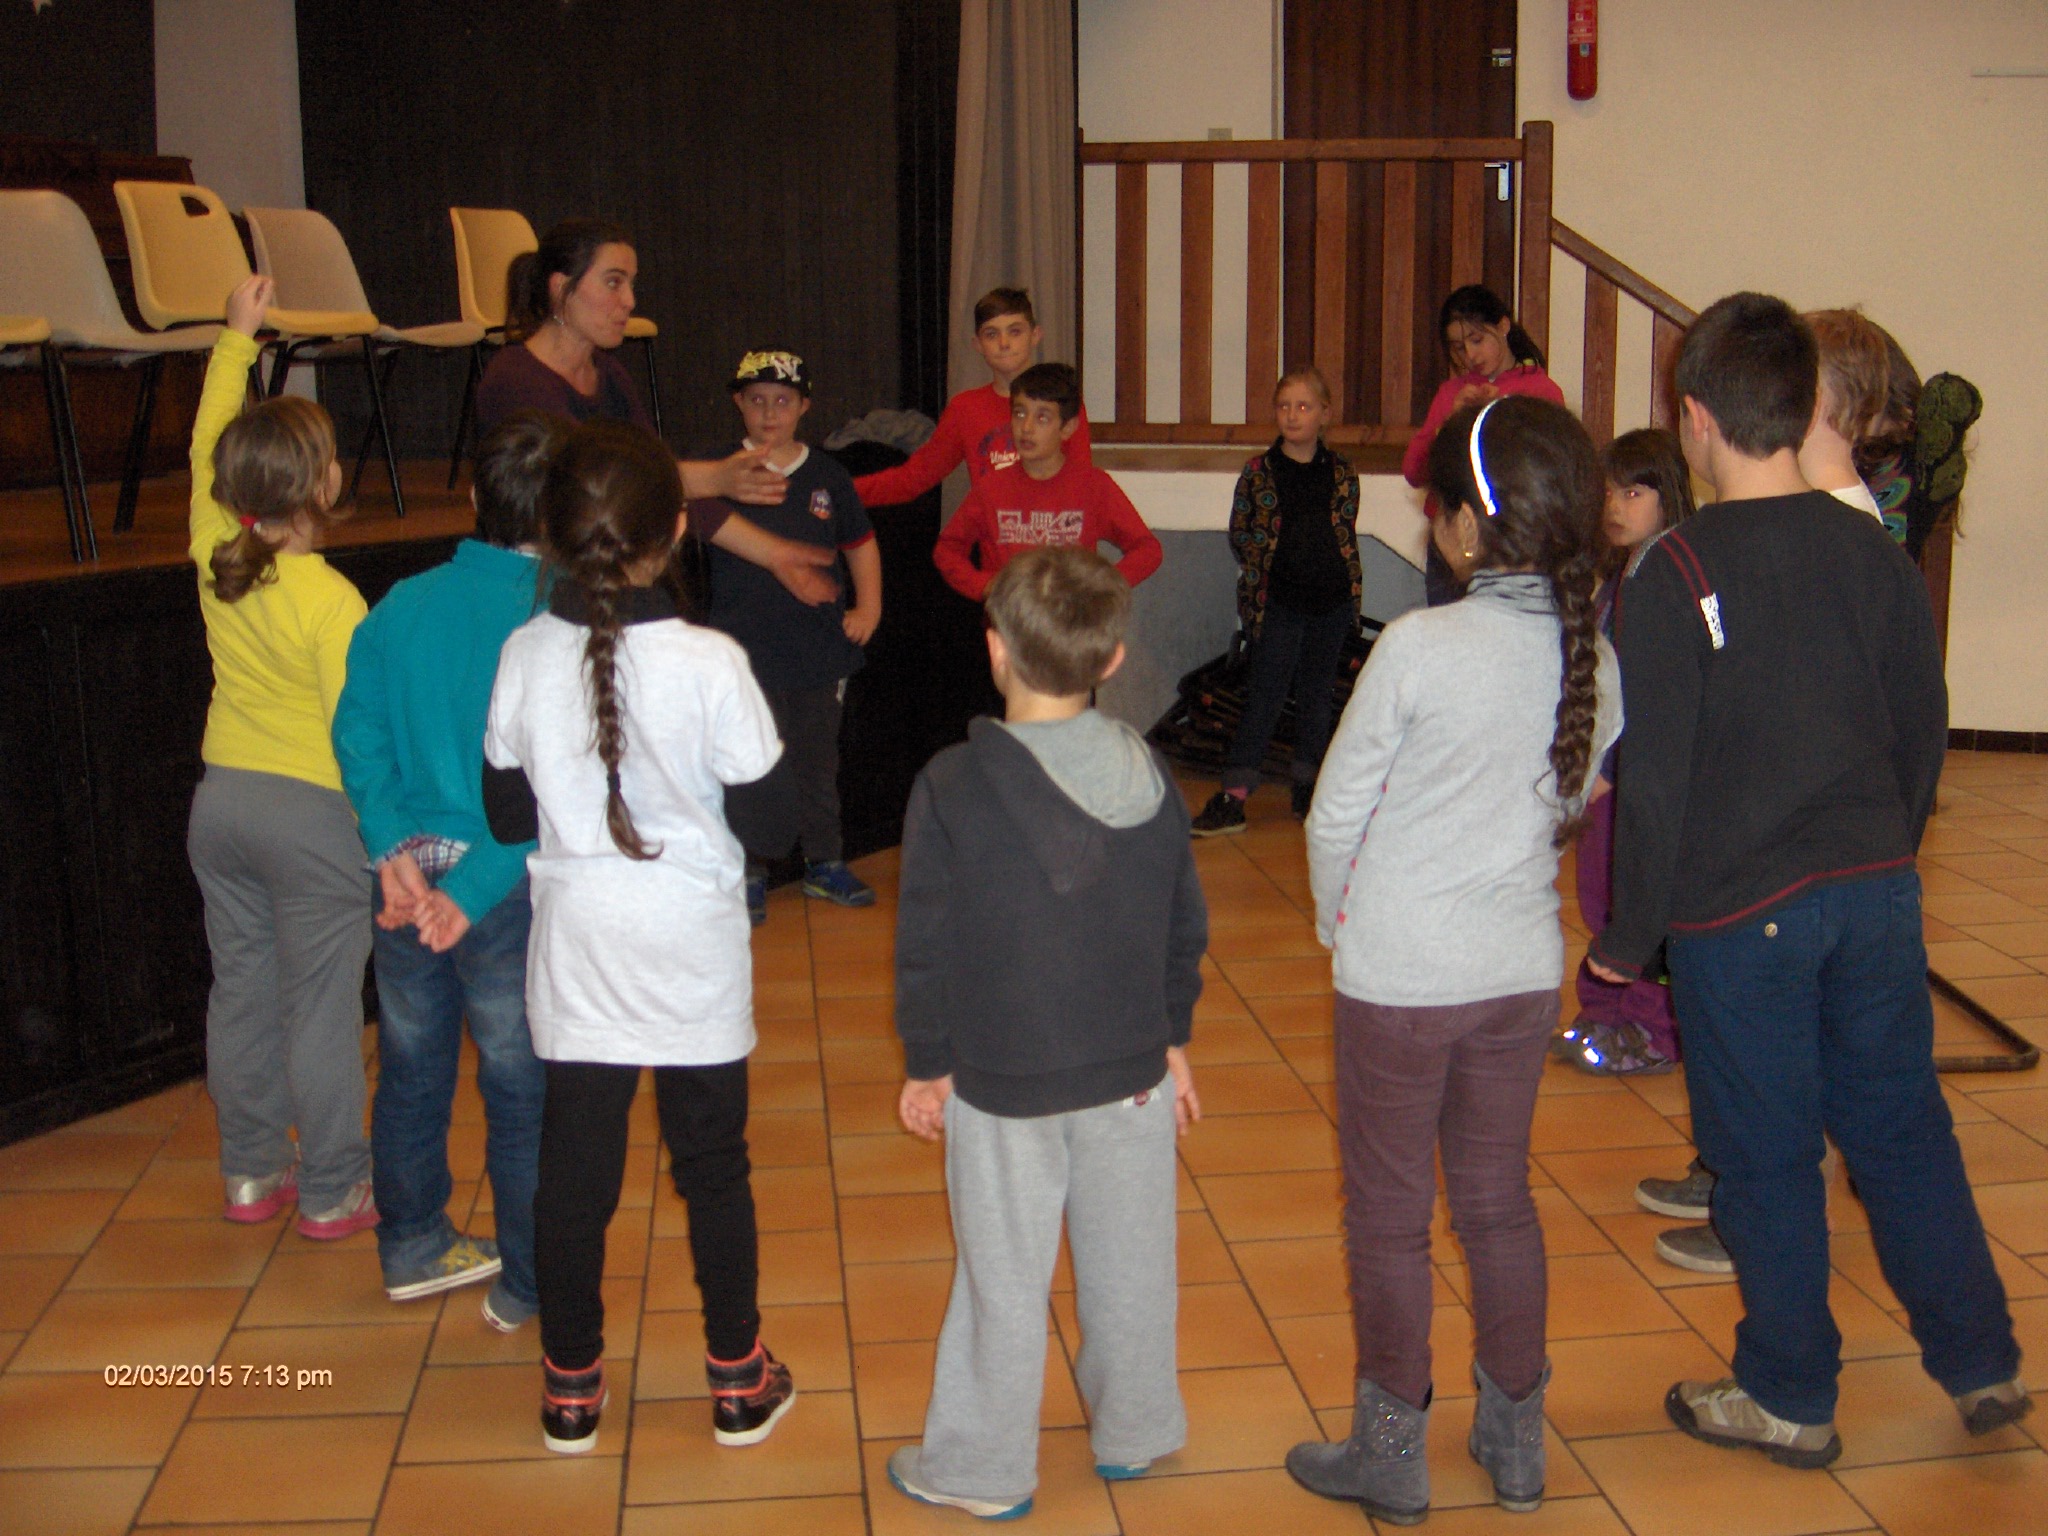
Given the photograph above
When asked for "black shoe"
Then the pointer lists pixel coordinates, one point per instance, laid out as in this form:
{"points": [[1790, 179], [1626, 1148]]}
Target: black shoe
{"points": [[748, 1397], [570, 1405], [1303, 796], [1223, 814]]}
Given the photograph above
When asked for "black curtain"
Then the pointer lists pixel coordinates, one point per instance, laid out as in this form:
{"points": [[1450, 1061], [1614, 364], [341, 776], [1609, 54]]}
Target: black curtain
{"points": [[786, 172], [82, 70]]}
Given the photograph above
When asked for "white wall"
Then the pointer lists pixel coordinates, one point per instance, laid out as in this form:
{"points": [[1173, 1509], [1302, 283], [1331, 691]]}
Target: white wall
{"points": [[1840, 152], [227, 94], [1170, 69]]}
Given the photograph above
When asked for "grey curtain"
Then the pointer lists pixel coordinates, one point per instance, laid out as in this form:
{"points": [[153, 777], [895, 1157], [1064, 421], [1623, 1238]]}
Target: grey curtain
{"points": [[1013, 172]]}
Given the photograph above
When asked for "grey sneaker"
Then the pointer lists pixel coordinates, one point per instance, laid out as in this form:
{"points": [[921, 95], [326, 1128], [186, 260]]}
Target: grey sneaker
{"points": [[1991, 1408], [356, 1213], [1696, 1249], [908, 1479], [1721, 1413], [253, 1200], [1686, 1198], [464, 1262], [506, 1312]]}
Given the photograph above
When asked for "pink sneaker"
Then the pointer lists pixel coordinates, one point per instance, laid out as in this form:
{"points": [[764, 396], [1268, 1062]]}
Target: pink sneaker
{"points": [[356, 1213], [253, 1200]]}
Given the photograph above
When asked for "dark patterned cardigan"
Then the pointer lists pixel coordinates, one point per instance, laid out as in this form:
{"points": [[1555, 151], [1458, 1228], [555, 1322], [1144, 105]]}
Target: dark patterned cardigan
{"points": [[1255, 533]]}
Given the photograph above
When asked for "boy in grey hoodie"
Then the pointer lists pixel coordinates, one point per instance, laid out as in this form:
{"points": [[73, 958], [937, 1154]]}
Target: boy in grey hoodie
{"points": [[1050, 929]]}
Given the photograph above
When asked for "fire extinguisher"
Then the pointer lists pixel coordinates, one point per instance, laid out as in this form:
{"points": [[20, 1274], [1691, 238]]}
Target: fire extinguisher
{"points": [[1582, 49]]}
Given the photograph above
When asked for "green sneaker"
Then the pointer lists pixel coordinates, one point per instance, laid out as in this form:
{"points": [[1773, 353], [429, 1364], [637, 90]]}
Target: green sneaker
{"points": [[1721, 1413], [830, 880]]}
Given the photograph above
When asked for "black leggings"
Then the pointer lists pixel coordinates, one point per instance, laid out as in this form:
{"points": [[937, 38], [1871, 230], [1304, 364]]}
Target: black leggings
{"points": [[703, 1113]]}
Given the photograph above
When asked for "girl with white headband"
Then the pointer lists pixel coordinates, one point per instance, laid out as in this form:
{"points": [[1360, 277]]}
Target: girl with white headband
{"points": [[1457, 774]]}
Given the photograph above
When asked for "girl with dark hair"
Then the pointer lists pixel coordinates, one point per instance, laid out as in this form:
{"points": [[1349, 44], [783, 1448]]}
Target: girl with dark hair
{"points": [[567, 306], [614, 728], [1458, 772], [1627, 1030], [272, 840], [1491, 356]]}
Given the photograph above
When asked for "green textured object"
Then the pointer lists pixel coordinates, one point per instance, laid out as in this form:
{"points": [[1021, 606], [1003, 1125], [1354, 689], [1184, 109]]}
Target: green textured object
{"points": [[1949, 406]]}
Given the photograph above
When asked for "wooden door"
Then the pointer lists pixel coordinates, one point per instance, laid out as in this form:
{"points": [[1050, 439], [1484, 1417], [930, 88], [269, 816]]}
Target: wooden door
{"points": [[1398, 69]]}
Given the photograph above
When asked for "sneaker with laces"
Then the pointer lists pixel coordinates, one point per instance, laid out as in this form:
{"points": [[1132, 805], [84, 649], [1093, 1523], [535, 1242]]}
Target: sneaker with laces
{"points": [[1688, 1197], [570, 1405], [1619, 1050], [252, 1200], [1223, 815], [506, 1312], [1994, 1407], [1721, 1413], [1301, 797], [757, 902], [357, 1212], [830, 880], [1695, 1248], [463, 1262], [748, 1396], [908, 1480]]}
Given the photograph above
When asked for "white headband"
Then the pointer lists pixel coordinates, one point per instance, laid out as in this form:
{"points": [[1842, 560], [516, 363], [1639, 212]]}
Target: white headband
{"points": [[1479, 464]]}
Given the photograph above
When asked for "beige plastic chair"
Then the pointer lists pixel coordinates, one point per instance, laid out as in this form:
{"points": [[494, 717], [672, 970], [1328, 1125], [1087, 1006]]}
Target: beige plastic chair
{"points": [[306, 255], [50, 265], [21, 335], [487, 242]]}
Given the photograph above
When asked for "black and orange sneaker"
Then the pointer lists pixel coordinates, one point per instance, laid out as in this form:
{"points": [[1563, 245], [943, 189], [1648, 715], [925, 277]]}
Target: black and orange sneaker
{"points": [[748, 1396], [569, 1408]]}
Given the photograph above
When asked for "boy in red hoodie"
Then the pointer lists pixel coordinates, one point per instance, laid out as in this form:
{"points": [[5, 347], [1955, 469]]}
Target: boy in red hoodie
{"points": [[1047, 497], [976, 422]]}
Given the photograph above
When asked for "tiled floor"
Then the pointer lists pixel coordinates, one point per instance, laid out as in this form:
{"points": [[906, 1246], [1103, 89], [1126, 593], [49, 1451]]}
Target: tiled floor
{"points": [[423, 1421]]}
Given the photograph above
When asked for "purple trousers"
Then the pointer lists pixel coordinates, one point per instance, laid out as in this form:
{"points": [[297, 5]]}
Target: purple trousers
{"points": [[1411, 1082], [1643, 1003]]}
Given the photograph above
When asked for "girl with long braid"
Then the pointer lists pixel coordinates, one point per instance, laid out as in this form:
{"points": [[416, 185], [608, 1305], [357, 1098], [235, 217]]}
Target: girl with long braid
{"points": [[1460, 769], [614, 728]]}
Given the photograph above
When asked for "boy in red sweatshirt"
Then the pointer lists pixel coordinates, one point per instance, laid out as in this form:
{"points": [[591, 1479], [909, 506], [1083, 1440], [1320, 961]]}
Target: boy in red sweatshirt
{"points": [[976, 422], [1047, 497]]}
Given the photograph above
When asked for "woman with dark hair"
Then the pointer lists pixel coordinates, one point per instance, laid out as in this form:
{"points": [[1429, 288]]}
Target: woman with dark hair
{"points": [[1491, 355], [568, 303]]}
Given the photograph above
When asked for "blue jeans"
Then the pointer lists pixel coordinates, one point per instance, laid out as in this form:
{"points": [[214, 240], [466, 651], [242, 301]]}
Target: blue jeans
{"points": [[423, 998], [1299, 653], [1816, 1016]]}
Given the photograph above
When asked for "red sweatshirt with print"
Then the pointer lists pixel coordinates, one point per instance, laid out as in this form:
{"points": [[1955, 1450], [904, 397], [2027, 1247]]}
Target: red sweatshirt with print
{"points": [[1008, 512]]}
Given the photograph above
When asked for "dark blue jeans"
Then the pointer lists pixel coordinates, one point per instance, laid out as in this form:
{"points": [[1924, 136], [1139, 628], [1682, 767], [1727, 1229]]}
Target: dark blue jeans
{"points": [[422, 1000], [1297, 651], [1817, 1016]]}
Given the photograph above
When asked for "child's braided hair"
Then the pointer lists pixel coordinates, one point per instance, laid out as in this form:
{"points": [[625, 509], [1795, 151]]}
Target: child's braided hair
{"points": [[609, 507], [1547, 490]]}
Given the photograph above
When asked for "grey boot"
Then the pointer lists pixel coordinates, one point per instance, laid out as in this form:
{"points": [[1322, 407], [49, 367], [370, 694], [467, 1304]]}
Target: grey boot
{"points": [[1381, 1466], [1507, 1440]]}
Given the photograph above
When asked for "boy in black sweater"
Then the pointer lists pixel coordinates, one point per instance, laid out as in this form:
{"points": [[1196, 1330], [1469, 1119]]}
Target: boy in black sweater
{"points": [[1787, 725], [1049, 937]]}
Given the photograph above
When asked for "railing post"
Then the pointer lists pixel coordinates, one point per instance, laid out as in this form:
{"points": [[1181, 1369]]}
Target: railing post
{"points": [[1261, 288], [1197, 288], [1665, 337], [1130, 292], [1397, 293], [1532, 300], [1596, 398], [1333, 271], [1468, 222]]}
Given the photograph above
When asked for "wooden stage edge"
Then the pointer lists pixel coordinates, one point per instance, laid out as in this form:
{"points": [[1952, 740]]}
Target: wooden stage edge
{"points": [[35, 549]]}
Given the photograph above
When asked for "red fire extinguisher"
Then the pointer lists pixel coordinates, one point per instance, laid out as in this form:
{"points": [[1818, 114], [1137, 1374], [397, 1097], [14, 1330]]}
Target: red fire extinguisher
{"points": [[1582, 49]]}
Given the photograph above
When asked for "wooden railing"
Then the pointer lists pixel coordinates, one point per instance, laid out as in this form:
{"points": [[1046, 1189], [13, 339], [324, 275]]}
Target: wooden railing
{"points": [[1334, 332]]}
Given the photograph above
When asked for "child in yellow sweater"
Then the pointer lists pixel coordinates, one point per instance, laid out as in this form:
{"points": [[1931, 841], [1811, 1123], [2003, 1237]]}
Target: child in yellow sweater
{"points": [[272, 839]]}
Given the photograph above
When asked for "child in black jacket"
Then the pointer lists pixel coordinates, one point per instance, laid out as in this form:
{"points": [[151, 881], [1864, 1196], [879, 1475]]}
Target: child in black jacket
{"points": [[1050, 929]]}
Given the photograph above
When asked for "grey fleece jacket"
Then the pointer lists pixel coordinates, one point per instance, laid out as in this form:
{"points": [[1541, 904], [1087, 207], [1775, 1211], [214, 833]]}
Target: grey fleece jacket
{"points": [[1429, 841], [1046, 956]]}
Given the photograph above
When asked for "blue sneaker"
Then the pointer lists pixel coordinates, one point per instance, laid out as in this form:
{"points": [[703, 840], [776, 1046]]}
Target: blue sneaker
{"points": [[757, 902], [830, 880], [463, 1262], [506, 1312], [905, 1476]]}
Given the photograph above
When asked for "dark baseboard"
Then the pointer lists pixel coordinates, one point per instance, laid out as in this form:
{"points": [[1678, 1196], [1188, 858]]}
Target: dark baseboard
{"points": [[1997, 741]]}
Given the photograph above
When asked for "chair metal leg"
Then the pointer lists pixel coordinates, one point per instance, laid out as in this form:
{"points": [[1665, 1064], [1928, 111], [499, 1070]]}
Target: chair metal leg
{"points": [[138, 444], [355, 479], [77, 458], [653, 385], [383, 424], [455, 448], [280, 367], [59, 441]]}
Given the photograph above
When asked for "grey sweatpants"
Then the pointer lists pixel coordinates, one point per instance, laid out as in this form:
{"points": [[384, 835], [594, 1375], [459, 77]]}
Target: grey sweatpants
{"points": [[1110, 1170], [288, 922]]}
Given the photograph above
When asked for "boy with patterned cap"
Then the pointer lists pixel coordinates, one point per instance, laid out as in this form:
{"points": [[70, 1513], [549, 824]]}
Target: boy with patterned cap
{"points": [[802, 655]]}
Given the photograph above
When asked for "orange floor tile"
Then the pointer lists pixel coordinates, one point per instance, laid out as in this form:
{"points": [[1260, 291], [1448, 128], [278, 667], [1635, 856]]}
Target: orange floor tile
{"points": [[418, 1418]]}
